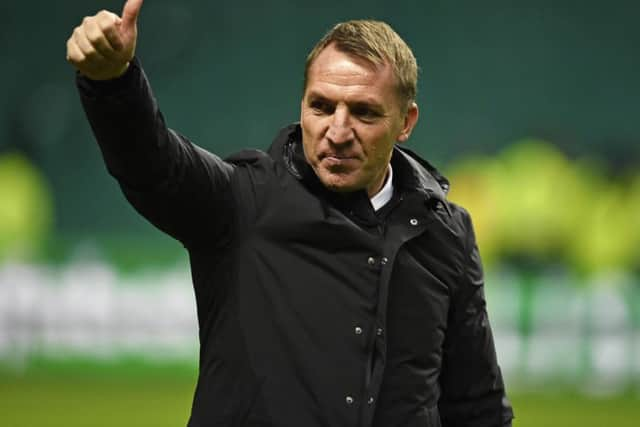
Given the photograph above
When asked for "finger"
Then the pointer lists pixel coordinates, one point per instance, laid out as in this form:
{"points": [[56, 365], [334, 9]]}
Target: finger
{"points": [[113, 35], [108, 24], [74, 54], [98, 40], [85, 45], [130, 13]]}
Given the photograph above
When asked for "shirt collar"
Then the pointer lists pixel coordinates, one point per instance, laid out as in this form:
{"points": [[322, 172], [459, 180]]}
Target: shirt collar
{"points": [[412, 173], [384, 195]]}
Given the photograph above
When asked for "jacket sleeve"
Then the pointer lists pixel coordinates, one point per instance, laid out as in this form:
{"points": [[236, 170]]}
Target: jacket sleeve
{"points": [[180, 188], [472, 389]]}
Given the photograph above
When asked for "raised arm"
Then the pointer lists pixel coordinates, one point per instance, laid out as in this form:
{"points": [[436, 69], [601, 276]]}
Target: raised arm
{"points": [[103, 45], [179, 187]]}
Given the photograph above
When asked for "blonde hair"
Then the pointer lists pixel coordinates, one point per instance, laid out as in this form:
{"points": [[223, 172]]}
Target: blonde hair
{"points": [[377, 43]]}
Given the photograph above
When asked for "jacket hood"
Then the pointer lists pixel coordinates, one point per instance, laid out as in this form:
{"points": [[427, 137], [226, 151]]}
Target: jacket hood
{"points": [[414, 173]]}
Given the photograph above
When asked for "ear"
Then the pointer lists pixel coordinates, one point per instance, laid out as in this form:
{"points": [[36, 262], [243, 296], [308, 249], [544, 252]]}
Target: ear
{"points": [[410, 120], [301, 117]]}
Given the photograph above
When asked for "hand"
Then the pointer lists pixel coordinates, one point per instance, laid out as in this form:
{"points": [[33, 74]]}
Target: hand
{"points": [[102, 45]]}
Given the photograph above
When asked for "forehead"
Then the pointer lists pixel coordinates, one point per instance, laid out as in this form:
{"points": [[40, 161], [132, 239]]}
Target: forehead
{"points": [[334, 70]]}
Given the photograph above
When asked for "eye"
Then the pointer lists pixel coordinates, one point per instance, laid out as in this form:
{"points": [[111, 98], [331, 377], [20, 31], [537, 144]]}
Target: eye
{"points": [[365, 112], [321, 106]]}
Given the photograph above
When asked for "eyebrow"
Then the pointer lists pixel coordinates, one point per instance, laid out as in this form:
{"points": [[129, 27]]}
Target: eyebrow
{"points": [[366, 102]]}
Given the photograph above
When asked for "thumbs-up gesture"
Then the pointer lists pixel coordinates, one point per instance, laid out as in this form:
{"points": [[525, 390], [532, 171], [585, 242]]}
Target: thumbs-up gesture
{"points": [[103, 44]]}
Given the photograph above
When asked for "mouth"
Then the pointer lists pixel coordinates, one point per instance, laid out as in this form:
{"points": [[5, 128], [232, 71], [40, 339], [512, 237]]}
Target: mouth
{"points": [[338, 160], [338, 156]]}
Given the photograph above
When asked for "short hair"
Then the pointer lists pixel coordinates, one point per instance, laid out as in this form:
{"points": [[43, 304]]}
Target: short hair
{"points": [[377, 43]]}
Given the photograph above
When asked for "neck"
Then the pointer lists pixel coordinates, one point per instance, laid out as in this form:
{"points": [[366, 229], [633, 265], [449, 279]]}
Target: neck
{"points": [[375, 189]]}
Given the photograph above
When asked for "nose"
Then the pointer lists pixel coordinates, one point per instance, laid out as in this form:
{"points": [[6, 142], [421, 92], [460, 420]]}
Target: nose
{"points": [[340, 131]]}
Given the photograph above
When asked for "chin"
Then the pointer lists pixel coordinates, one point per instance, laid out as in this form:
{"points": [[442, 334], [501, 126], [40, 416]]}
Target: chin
{"points": [[338, 183], [340, 188]]}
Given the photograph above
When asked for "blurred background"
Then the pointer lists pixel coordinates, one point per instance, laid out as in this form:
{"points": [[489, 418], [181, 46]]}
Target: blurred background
{"points": [[530, 108]]}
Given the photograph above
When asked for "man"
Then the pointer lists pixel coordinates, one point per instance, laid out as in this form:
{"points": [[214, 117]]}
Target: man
{"points": [[335, 284]]}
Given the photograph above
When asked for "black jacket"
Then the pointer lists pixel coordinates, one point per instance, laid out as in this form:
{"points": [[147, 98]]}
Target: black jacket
{"points": [[314, 310]]}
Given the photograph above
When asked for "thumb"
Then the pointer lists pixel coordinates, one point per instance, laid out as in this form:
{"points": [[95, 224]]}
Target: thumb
{"points": [[130, 13]]}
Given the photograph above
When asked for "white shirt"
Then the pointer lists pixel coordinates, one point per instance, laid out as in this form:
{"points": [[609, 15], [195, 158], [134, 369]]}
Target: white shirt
{"points": [[384, 195]]}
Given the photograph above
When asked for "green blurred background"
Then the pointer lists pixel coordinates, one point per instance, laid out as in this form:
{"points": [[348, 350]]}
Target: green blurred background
{"points": [[530, 107]]}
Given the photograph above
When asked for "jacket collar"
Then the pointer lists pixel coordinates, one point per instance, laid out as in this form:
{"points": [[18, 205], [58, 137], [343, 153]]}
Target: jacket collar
{"points": [[411, 172]]}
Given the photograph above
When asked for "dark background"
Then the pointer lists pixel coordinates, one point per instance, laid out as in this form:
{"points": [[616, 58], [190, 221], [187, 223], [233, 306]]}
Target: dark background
{"points": [[229, 75], [82, 340]]}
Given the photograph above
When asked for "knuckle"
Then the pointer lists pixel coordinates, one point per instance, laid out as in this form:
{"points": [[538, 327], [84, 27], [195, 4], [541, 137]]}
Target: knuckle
{"points": [[106, 26], [110, 17], [76, 58], [94, 37], [91, 53], [105, 19]]}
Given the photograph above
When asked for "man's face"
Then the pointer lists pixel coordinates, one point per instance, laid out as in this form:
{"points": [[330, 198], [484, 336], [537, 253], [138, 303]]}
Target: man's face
{"points": [[351, 117]]}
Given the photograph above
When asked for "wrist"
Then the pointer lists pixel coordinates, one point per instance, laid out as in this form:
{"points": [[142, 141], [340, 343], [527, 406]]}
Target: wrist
{"points": [[106, 76]]}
